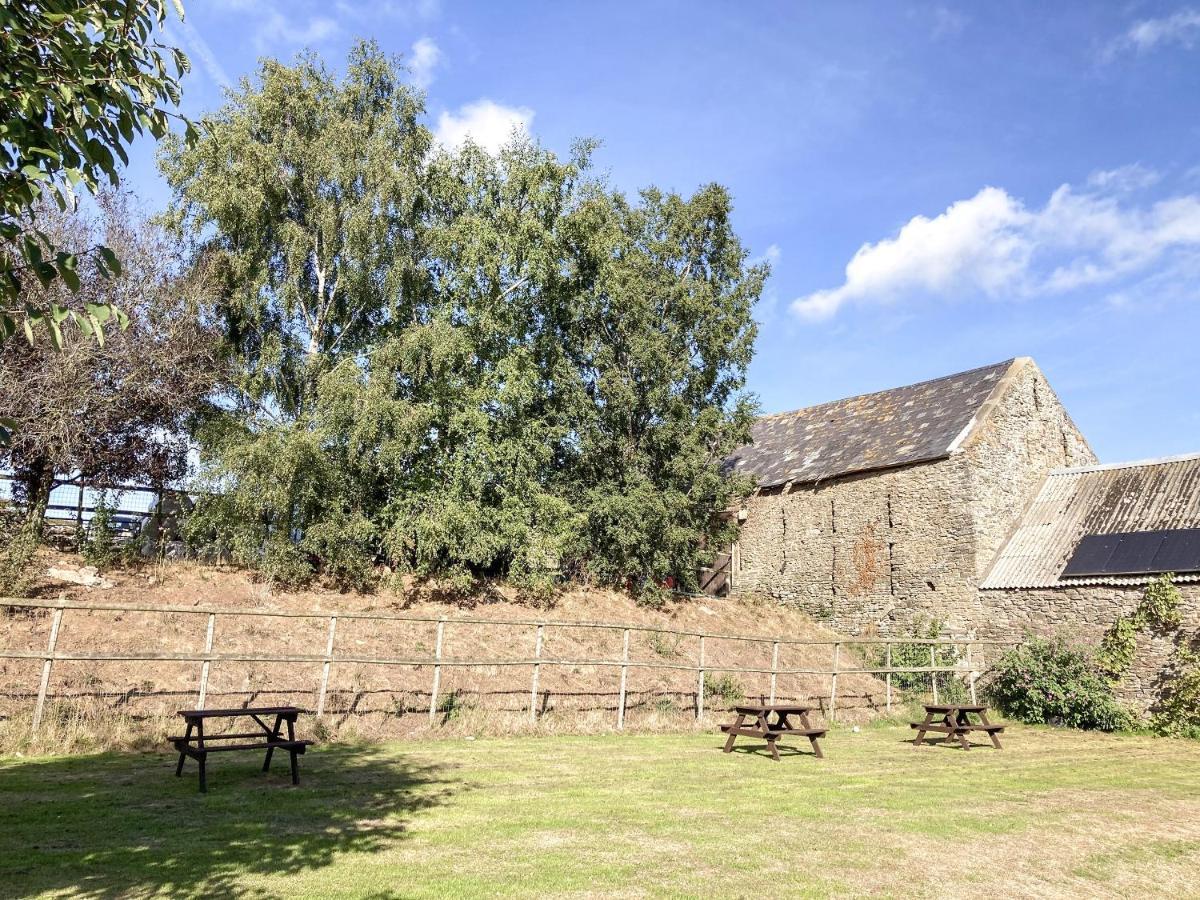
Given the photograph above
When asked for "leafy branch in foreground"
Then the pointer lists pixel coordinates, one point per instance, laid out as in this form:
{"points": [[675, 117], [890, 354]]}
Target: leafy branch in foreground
{"points": [[78, 83]]}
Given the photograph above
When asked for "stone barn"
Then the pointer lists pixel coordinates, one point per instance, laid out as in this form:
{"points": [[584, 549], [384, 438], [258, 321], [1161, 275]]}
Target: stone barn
{"points": [[1086, 547], [875, 512]]}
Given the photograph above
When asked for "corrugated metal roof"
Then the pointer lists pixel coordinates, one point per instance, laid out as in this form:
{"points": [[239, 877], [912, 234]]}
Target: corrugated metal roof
{"points": [[917, 423], [1109, 499]]}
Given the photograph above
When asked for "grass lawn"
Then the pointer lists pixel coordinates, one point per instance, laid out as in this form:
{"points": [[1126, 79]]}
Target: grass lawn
{"points": [[1056, 813]]}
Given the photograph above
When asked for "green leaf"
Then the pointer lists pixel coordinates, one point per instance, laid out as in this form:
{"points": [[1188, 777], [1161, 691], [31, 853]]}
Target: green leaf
{"points": [[111, 260], [70, 277]]}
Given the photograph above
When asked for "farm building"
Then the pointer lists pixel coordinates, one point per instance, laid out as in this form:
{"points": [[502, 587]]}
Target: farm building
{"points": [[1086, 547], [878, 511], [972, 501]]}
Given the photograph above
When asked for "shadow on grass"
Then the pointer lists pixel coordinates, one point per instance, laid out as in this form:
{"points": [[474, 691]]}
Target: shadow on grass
{"points": [[123, 824], [785, 750]]}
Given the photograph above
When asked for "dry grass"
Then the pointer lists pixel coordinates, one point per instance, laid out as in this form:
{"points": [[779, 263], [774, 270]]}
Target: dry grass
{"points": [[375, 701]]}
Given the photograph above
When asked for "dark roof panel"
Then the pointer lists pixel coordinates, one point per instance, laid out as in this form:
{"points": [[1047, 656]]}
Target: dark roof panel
{"points": [[1106, 503], [1136, 553], [905, 425]]}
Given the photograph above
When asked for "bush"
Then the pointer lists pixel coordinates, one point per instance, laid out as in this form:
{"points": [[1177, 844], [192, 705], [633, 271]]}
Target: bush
{"points": [[17, 547], [1051, 682], [916, 656], [726, 688], [99, 544], [1179, 713]]}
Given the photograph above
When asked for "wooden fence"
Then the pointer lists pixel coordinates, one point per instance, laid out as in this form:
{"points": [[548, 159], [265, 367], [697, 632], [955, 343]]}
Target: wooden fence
{"points": [[967, 668]]}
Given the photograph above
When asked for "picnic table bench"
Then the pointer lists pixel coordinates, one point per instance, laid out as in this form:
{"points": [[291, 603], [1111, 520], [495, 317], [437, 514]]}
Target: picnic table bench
{"points": [[953, 721], [196, 744], [763, 726]]}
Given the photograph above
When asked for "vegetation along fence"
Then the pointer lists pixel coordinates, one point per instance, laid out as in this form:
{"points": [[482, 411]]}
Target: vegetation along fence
{"points": [[968, 663]]}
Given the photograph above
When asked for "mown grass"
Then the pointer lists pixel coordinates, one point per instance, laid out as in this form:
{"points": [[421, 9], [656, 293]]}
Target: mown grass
{"points": [[1056, 813]]}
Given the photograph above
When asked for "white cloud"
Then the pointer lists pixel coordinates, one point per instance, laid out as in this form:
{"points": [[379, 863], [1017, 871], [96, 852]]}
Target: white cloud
{"points": [[487, 123], [423, 59], [278, 29], [1181, 27], [199, 51], [1133, 177], [993, 245], [947, 22]]}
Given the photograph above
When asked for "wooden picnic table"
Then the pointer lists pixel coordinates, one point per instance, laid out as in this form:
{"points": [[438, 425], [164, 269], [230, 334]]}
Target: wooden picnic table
{"points": [[762, 725], [953, 721], [196, 744]]}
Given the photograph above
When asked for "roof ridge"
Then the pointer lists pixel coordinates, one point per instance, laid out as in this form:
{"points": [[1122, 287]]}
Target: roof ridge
{"points": [[900, 387], [1133, 464]]}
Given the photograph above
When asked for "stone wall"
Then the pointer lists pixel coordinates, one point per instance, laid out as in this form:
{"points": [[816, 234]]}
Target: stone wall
{"points": [[874, 551], [1024, 434], [1083, 614], [882, 550]]}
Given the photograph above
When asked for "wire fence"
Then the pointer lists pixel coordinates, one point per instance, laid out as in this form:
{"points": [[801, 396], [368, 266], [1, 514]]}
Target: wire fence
{"points": [[968, 654]]}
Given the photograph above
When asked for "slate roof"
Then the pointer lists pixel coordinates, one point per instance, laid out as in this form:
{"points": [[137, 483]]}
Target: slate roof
{"points": [[1112, 499], [916, 423]]}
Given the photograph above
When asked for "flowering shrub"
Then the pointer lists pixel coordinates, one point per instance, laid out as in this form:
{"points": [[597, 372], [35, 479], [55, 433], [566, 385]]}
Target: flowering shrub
{"points": [[1051, 682]]}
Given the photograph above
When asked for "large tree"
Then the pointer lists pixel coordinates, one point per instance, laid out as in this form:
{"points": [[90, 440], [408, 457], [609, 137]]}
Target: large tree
{"points": [[459, 363], [121, 409]]}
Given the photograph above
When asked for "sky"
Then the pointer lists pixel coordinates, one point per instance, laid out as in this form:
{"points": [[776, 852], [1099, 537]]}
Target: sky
{"points": [[936, 186]]}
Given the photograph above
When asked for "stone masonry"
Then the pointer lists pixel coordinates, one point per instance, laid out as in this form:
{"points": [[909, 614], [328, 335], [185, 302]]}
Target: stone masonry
{"points": [[877, 551]]}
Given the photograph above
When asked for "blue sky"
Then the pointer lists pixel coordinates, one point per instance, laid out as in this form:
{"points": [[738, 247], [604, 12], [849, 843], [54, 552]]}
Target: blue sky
{"points": [[938, 186]]}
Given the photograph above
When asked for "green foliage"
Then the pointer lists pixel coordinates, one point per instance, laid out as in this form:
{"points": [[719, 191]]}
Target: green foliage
{"points": [[666, 646], [1160, 604], [725, 688], [452, 705], [99, 545], [1158, 608], [1117, 649], [81, 81], [918, 656], [18, 543], [462, 365], [1051, 682], [1178, 713]]}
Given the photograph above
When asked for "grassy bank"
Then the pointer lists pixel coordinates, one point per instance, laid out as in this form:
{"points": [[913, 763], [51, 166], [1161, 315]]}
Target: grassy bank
{"points": [[1055, 813]]}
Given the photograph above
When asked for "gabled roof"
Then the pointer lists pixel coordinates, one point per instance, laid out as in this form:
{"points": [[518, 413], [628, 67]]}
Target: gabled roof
{"points": [[1139, 496], [917, 423]]}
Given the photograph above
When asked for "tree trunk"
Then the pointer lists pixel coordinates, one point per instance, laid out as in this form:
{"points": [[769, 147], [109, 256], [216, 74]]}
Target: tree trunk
{"points": [[37, 481]]}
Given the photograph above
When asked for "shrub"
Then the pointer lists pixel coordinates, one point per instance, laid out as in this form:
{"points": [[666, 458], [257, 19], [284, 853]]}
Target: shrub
{"points": [[1051, 682], [17, 547], [916, 656], [100, 546], [726, 688]]}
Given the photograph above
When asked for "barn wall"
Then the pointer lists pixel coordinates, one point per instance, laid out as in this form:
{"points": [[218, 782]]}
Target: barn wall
{"points": [[863, 553], [1025, 434], [882, 550], [1083, 614]]}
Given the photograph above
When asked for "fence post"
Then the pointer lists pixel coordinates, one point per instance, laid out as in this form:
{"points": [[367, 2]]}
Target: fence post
{"points": [[208, 642], [700, 682], [47, 665], [971, 673], [837, 661], [325, 668], [624, 674], [774, 667], [437, 672], [533, 690], [79, 513], [932, 666], [887, 649]]}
